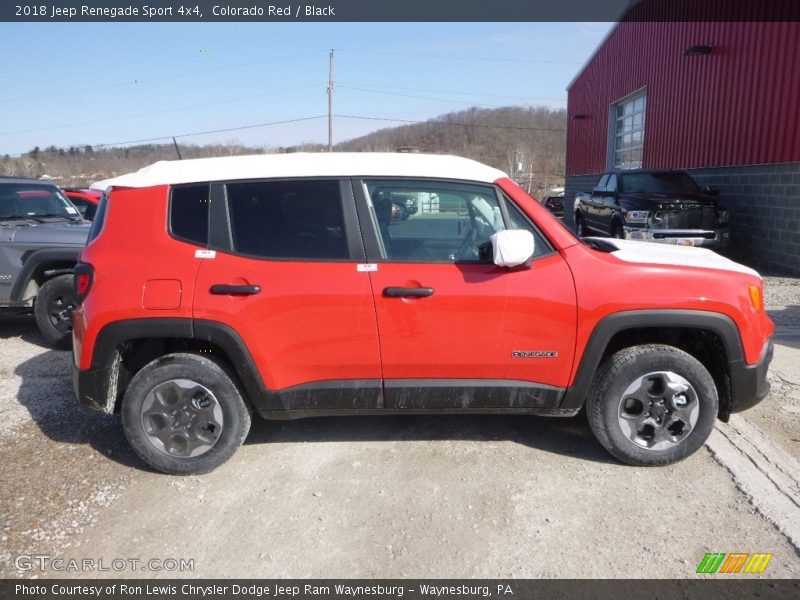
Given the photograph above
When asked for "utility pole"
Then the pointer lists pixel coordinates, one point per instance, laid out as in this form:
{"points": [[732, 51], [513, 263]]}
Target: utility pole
{"points": [[330, 102]]}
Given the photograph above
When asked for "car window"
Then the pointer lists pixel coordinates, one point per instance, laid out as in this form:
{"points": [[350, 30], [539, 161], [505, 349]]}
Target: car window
{"points": [[188, 216], [428, 221], [89, 212], [517, 220], [664, 183], [288, 219], [601, 185], [611, 184], [80, 204], [33, 200]]}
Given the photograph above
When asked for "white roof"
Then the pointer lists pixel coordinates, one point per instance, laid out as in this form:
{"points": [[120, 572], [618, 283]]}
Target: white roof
{"points": [[302, 164]]}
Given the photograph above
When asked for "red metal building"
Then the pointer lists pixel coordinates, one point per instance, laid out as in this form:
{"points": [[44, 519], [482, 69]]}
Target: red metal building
{"points": [[720, 99]]}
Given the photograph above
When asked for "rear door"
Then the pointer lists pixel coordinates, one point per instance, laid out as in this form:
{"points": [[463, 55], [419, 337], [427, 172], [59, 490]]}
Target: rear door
{"points": [[287, 277], [456, 331]]}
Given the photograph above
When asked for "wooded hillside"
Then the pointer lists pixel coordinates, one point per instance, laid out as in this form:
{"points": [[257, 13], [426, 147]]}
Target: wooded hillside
{"points": [[527, 143]]}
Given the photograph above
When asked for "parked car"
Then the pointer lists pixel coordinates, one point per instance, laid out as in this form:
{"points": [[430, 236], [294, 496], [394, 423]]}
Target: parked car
{"points": [[280, 284], [654, 206], [41, 233], [555, 204], [85, 200]]}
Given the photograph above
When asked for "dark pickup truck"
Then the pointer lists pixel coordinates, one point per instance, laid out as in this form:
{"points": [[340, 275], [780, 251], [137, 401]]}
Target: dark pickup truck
{"points": [[653, 206]]}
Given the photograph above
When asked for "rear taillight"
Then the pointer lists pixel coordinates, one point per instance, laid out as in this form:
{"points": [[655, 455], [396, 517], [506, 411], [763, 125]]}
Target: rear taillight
{"points": [[84, 274]]}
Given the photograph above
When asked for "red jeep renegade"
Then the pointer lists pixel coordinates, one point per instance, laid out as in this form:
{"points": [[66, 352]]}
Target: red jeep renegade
{"points": [[289, 285]]}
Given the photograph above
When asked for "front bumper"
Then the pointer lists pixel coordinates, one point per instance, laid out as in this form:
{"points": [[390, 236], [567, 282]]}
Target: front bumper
{"points": [[749, 384], [703, 238]]}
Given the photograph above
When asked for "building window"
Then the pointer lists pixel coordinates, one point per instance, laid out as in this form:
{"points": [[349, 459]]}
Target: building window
{"points": [[628, 123]]}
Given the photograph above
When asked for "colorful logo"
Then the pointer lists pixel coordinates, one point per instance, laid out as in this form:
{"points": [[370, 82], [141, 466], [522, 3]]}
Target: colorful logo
{"points": [[735, 562]]}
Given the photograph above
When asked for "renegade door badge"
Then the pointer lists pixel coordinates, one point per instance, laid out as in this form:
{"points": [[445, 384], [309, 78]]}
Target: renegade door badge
{"points": [[534, 354]]}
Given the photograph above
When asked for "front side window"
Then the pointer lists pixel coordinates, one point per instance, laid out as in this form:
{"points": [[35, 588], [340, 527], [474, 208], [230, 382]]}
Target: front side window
{"points": [[423, 221], [628, 134], [288, 219]]}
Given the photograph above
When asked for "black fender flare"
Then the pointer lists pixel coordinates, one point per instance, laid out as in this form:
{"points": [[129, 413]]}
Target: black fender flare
{"points": [[100, 376], [605, 330], [36, 259]]}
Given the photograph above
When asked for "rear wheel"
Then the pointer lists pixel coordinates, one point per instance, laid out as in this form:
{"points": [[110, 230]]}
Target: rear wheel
{"points": [[53, 310], [652, 405], [184, 415]]}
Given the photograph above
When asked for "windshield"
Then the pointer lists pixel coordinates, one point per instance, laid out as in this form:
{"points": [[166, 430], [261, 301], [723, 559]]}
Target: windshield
{"points": [[658, 183], [31, 201]]}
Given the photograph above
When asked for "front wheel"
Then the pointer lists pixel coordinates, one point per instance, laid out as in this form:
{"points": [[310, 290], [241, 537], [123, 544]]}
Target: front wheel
{"points": [[53, 310], [580, 228], [652, 405], [184, 415]]}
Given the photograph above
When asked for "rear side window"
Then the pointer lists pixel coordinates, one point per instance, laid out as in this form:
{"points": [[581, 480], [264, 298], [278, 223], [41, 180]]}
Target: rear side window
{"points": [[288, 219], [188, 216]]}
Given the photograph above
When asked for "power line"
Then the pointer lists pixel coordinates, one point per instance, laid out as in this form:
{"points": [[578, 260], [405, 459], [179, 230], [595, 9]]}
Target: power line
{"points": [[300, 119], [471, 93], [158, 112], [240, 128], [446, 100], [452, 123], [85, 90], [194, 133], [445, 57]]}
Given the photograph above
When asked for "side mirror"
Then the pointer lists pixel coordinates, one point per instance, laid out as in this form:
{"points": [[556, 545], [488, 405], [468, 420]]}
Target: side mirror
{"points": [[710, 191], [512, 247]]}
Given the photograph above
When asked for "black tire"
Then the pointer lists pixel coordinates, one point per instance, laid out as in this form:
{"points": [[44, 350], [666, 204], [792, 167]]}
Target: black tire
{"points": [[637, 422], [53, 310], [580, 228], [224, 420], [617, 231]]}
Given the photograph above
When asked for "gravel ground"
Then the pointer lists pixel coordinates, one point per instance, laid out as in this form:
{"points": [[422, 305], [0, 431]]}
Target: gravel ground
{"points": [[779, 415], [383, 497]]}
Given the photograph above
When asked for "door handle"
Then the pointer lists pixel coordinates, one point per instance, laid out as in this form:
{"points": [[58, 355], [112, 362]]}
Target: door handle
{"points": [[407, 292], [222, 289]]}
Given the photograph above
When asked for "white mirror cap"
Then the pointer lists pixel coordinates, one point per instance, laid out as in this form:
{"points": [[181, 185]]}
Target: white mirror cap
{"points": [[512, 247]]}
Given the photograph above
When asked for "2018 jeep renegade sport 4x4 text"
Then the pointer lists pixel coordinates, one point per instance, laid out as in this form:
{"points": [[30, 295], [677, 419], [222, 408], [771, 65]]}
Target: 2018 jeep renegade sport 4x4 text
{"points": [[287, 285]]}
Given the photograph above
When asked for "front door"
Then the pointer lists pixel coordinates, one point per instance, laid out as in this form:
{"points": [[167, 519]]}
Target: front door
{"points": [[456, 331]]}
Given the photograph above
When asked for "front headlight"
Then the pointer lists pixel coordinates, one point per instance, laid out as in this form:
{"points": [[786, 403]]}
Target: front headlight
{"points": [[637, 216], [724, 217]]}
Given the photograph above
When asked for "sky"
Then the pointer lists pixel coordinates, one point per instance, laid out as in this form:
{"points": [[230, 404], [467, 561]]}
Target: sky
{"points": [[77, 84]]}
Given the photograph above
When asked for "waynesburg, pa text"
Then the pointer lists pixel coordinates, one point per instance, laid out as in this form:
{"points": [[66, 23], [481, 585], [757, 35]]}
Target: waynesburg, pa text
{"points": [[435, 590]]}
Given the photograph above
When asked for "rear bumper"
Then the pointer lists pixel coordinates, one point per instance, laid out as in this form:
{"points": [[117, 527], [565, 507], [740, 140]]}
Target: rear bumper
{"points": [[749, 384]]}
